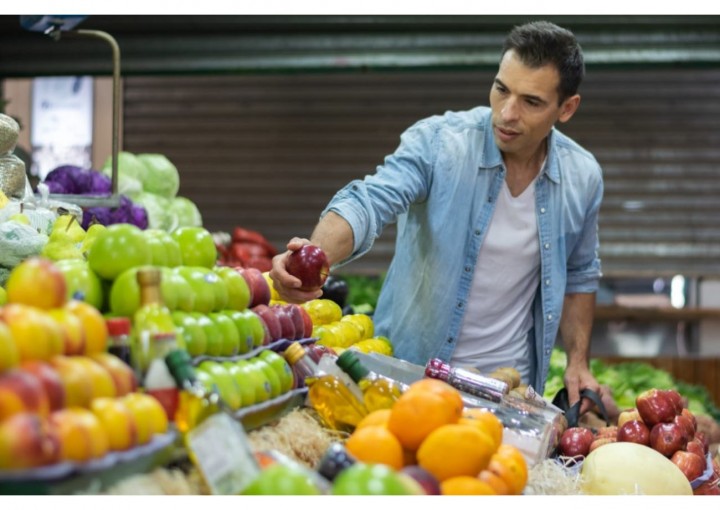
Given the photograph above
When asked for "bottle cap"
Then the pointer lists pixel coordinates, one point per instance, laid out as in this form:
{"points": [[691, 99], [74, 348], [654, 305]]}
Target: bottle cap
{"points": [[437, 369], [118, 326], [350, 364], [294, 352], [180, 365], [148, 276]]}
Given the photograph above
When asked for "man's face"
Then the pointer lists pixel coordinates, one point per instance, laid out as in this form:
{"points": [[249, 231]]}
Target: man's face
{"points": [[525, 107]]}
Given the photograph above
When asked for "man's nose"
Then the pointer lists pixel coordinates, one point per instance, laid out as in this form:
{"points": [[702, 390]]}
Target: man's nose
{"points": [[509, 110]]}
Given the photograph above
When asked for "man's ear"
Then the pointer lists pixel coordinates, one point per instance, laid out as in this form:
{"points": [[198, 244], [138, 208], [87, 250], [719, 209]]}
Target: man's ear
{"points": [[569, 107]]}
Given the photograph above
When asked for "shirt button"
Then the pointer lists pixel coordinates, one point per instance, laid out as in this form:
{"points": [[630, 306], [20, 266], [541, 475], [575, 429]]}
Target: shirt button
{"points": [[450, 340], [468, 269], [460, 304], [547, 246], [547, 282], [477, 232], [549, 317], [547, 351], [542, 210]]}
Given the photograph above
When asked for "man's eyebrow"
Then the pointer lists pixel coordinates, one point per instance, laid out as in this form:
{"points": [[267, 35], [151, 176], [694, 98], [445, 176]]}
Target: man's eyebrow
{"points": [[526, 96]]}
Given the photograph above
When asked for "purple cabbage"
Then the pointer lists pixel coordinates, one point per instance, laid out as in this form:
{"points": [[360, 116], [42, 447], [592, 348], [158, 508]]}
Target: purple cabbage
{"points": [[74, 180], [126, 212]]}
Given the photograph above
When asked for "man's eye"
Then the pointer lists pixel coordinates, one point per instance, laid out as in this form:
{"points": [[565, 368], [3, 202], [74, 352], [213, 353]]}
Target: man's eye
{"points": [[533, 103], [500, 89]]}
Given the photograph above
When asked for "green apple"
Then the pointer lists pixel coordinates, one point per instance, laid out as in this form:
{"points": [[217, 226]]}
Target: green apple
{"points": [[270, 375], [173, 257], [281, 368], [244, 380], [213, 336], [203, 289], [221, 290], [118, 248], [81, 279], [282, 480], [196, 245], [238, 290], [245, 337], [256, 374], [230, 335], [125, 293], [174, 287], [372, 480], [193, 334], [257, 327], [157, 249], [224, 382], [3, 296]]}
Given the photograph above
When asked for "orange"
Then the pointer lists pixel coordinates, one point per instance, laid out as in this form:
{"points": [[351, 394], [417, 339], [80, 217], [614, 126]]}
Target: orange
{"points": [[93, 323], [447, 392], [416, 414], [486, 421], [465, 486], [500, 487], [455, 450], [509, 464], [377, 417], [375, 444]]}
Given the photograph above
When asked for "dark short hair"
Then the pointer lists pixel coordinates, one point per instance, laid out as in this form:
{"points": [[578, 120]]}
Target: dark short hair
{"points": [[540, 43]]}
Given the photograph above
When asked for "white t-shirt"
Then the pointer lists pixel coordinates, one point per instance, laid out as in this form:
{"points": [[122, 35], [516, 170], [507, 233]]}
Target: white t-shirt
{"points": [[499, 316]]}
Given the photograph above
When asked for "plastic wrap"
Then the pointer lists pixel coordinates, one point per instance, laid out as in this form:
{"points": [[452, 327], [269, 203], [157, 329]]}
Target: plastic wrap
{"points": [[9, 130], [12, 176]]}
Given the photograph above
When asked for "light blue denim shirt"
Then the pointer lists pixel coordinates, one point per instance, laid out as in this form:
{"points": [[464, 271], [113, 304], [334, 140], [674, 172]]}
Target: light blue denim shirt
{"points": [[440, 187]]}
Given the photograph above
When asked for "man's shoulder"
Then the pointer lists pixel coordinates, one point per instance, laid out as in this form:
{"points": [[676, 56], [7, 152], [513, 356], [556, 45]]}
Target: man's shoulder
{"points": [[475, 118], [569, 148]]}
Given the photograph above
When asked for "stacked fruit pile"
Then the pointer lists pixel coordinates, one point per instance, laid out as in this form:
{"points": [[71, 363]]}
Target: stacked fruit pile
{"points": [[658, 421], [429, 434], [62, 397]]}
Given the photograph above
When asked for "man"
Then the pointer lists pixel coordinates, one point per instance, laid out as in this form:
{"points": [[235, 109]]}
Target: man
{"points": [[496, 210]]}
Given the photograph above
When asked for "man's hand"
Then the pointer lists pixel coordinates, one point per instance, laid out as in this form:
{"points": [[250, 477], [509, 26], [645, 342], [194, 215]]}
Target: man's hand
{"points": [[286, 285], [578, 377]]}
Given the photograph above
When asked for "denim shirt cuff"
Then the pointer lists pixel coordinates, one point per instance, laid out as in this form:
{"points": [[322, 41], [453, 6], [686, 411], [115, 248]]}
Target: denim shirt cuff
{"points": [[354, 216]]}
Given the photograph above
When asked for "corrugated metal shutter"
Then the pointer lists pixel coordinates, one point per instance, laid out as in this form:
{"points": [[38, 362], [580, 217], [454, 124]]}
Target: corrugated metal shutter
{"points": [[267, 152]]}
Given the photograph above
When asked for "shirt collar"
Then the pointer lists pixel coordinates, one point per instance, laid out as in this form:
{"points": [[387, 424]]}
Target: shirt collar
{"points": [[492, 158]]}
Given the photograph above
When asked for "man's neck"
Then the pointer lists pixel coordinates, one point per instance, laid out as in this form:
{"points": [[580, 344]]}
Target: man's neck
{"points": [[521, 170]]}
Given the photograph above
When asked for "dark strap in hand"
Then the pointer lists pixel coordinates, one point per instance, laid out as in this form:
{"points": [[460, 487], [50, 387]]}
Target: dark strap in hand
{"points": [[572, 413]]}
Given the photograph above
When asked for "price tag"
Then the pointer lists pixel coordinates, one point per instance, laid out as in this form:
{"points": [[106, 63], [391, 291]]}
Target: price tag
{"points": [[220, 449]]}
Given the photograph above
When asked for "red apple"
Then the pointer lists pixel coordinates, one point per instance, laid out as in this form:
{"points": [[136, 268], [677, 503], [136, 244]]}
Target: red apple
{"points": [[655, 406], [628, 415], [296, 314], [575, 442], [676, 399], [695, 446], [690, 464], [270, 320], [703, 439], [50, 380], [667, 438], [259, 288], [21, 391], [310, 265], [634, 431], [424, 478], [26, 441], [317, 351], [689, 414], [287, 325], [601, 441], [686, 425], [307, 321]]}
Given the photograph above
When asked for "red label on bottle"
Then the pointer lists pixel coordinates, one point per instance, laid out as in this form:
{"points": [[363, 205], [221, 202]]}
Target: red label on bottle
{"points": [[168, 398]]}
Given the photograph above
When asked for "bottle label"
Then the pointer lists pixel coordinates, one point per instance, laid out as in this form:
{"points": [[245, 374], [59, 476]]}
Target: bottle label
{"points": [[168, 398], [230, 472]]}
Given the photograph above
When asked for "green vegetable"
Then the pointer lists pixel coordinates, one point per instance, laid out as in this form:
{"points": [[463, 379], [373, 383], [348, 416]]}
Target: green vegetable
{"points": [[161, 176], [364, 290]]}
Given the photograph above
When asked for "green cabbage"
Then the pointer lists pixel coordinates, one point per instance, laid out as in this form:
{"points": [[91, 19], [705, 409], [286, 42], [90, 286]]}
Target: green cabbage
{"points": [[158, 211], [161, 176], [128, 164], [187, 213]]}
